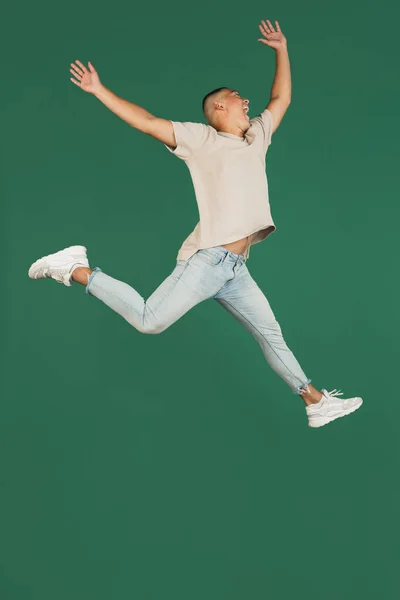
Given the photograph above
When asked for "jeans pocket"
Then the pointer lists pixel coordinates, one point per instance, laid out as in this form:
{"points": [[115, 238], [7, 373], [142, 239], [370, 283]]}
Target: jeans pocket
{"points": [[211, 258]]}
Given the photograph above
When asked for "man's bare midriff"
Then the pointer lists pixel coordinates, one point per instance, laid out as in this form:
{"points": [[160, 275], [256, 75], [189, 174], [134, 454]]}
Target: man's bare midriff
{"points": [[239, 246]]}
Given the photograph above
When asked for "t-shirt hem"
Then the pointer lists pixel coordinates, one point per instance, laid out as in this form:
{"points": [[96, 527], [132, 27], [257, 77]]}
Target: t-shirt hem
{"points": [[270, 227]]}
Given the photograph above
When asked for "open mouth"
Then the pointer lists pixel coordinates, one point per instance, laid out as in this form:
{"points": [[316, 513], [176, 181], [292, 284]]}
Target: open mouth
{"points": [[246, 110]]}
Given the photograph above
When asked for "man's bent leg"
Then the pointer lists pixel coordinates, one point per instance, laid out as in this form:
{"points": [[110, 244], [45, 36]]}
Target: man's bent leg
{"points": [[170, 301], [242, 297]]}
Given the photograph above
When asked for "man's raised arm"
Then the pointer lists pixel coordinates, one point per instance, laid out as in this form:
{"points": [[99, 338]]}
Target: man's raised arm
{"points": [[134, 115], [281, 91]]}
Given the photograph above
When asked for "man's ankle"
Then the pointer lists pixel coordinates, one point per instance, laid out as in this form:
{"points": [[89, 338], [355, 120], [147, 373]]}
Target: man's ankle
{"points": [[310, 395], [81, 275]]}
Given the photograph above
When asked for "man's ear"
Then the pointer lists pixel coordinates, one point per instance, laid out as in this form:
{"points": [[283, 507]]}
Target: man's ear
{"points": [[218, 105]]}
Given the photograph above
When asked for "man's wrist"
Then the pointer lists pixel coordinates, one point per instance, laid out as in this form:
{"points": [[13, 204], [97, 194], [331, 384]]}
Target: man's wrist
{"points": [[282, 49], [100, 91]]}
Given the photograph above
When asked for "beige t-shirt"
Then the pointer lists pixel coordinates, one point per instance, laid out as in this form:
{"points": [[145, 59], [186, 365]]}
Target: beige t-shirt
{"points": [[230, 182]]}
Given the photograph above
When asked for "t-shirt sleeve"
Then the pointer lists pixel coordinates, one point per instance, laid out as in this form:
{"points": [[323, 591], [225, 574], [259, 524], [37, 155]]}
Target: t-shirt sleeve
{"points": [[189, 138], [264, 124]]}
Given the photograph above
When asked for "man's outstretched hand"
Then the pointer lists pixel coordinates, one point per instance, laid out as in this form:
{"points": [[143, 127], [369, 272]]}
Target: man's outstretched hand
{"points": [[273, 39], [88, 81]]}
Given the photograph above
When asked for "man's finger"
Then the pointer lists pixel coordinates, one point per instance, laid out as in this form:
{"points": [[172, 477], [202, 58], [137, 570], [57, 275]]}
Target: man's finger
{"points": [[81, 65], [76, 70], [270, 25], [265, 25], [77, 75]]}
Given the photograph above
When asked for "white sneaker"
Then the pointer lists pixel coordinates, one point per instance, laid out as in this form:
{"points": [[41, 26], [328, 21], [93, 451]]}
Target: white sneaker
{"points": [[330, 407], [61, 265]]}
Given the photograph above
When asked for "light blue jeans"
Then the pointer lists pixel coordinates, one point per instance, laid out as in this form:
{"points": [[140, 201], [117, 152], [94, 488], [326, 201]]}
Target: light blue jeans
{"points": [[212, 273]]}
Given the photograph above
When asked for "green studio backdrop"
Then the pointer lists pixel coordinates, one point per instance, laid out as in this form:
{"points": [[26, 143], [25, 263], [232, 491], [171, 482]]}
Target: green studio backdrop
{"points": [[180, 466]]}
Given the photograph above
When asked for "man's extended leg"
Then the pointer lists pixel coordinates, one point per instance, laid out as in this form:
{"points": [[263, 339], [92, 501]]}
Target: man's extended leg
{"points": [[242, 297]]}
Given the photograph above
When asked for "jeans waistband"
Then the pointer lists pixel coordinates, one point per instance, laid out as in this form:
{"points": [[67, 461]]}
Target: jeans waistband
{"points": [[224, 253]]}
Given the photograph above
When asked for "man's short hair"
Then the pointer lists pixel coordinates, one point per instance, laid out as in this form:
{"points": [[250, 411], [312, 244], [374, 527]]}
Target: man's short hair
{"points": [[216, 91]]}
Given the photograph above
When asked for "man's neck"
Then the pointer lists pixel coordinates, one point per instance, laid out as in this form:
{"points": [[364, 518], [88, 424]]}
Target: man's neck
{"points": [[234, 130]]}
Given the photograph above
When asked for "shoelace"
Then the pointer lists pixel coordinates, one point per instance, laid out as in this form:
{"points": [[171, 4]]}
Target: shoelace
{"points": [[334, 393]]}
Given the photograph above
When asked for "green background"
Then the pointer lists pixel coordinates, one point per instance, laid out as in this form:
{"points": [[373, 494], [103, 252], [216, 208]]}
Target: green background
{"points": [[181, 466]]}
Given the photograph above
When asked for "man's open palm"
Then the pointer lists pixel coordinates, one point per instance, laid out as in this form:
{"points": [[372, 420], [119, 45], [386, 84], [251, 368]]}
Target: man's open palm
{"points": [[273, 39], [87, 80]]}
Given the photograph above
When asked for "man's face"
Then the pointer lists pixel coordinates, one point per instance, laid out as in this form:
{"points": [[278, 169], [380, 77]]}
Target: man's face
{"points": [[237, 108]]}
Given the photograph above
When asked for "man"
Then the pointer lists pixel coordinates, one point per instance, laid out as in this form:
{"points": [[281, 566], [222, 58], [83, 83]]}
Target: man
{"points": [[226, 160]]}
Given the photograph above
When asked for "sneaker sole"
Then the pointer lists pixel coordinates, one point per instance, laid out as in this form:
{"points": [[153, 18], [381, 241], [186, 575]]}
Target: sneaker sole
{"points": [[324, 421]]}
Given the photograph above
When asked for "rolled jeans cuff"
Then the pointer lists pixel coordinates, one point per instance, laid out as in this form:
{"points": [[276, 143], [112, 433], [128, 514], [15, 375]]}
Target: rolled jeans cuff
{"points": [[299, 389], [96, 270]]}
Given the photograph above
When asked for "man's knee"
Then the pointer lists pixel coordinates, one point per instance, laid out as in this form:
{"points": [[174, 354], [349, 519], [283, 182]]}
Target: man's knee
{"points": [[270, 330], [152, 328]]}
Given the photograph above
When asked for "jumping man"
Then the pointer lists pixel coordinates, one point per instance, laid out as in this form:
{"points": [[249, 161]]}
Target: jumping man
{"points": [[227, 162]]}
